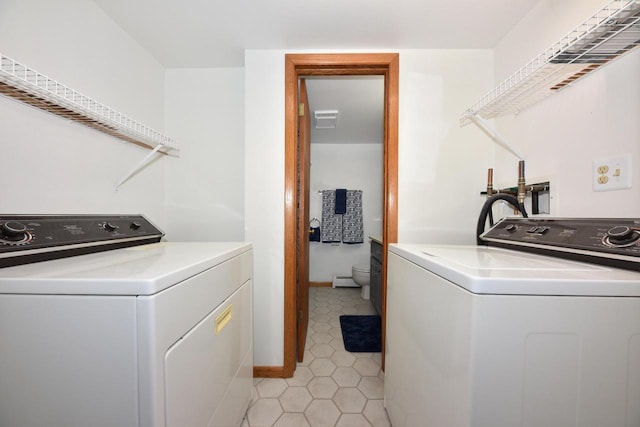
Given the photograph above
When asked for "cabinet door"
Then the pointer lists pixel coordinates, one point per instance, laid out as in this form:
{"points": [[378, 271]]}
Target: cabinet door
{"points": [[376, 285]]}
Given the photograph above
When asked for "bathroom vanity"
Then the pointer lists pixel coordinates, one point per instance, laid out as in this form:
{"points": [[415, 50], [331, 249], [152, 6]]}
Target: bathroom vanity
{"points": [[376, 274]]}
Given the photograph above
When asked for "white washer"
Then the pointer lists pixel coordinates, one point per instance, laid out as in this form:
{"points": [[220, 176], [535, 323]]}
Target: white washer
{"points": [[491, 337], [152, 335]]}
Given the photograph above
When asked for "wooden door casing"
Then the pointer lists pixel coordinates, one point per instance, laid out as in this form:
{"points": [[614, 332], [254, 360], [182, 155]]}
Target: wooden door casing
{"points": [[347, 64]]}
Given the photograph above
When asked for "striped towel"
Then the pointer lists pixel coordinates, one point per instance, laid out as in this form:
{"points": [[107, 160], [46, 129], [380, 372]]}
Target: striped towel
{"points": [[352, 230], [331, 222]]}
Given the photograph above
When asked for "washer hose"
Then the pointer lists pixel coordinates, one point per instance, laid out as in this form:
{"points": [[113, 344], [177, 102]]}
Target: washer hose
{"points": [[487, 212]]}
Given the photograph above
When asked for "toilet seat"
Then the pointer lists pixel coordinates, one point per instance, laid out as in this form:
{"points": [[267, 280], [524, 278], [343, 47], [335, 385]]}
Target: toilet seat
{"points": [[362, 268]]}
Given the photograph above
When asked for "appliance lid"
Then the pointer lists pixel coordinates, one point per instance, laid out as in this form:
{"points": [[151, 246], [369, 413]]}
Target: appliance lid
{"points": [[139, 270], [491, 270]]}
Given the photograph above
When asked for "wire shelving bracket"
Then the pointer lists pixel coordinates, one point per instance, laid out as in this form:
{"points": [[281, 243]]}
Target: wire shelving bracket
{"points": [[493, 134]]}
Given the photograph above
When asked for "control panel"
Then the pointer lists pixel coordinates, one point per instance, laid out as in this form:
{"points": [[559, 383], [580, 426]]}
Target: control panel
{"points": [[609, 241], [32, 238]]}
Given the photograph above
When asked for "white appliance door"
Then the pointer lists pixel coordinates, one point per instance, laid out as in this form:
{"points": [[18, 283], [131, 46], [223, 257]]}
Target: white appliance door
{"points": [[205, 369]]}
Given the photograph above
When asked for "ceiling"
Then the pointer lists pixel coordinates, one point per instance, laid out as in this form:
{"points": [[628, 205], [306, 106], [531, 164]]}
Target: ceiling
{"points": [[360, 104], [214, 33]]}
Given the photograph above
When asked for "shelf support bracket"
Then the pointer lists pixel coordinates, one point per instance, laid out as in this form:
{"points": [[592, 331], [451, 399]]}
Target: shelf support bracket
{"points": [[493, 134], [139, 166]]}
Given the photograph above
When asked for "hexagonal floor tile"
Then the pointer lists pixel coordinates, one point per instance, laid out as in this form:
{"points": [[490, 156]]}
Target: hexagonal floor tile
{"points": [[366, 366], [321, 317], [346, 376], [372, 387], [324, 327], [307, 358], [349, 400], [292, 420], [301, 377], [377, 357], [322, 387], [365, 309], [295, 399], [322, 413], [321, 310], [352, 420], [264, 412], [322, 367], [350, 310], [337, 343], [322, 350], [271, 387], [343, 358], [376, 414], [322, 337], [335, 332]]}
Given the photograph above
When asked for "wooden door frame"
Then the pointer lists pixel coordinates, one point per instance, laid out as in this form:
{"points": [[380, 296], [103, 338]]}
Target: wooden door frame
{"points": [[297, 65]]}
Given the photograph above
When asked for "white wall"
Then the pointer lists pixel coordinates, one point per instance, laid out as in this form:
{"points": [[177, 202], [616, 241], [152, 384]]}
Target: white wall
{"points": [[264, 199], [355, 167], [561, 136], [205, 185], [51, 165], [442, 166]]}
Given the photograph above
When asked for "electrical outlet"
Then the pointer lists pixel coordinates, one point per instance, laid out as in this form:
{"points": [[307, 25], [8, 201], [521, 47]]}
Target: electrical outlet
{"points": [[612, 173]]}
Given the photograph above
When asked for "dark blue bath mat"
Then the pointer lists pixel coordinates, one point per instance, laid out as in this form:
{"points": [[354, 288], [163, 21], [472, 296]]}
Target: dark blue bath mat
{"points": [[361, 334]]}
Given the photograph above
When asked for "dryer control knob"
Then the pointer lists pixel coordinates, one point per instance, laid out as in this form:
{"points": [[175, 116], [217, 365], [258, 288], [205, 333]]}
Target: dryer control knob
{"points": [[13, 229]]}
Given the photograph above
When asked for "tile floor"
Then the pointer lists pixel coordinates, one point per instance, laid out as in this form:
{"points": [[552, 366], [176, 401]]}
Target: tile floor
{"points": [[331, 387]]}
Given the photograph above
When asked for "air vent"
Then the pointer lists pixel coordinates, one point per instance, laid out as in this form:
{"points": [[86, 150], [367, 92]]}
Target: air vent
{"points": [[325, 119]]}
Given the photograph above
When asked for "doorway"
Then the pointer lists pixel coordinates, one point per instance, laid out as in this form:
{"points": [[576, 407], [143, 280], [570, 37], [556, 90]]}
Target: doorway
{"points": [[345, 152], [297, 65]]}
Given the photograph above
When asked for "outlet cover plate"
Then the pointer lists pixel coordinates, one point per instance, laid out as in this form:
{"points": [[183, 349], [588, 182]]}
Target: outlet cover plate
{"points": [[612, 173]]}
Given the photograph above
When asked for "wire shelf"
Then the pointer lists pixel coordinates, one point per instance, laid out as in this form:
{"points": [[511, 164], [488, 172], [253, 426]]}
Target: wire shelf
{"points": [[611, 32], [33, 88]]}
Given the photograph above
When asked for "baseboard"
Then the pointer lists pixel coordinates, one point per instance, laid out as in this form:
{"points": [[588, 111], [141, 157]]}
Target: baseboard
{"points": [[320, 284], [268, 371], [343, 280]]}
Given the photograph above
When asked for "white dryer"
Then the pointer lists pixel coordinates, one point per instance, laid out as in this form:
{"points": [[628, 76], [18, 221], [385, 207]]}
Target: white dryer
{"points": [[482, 336], [150, 335]]}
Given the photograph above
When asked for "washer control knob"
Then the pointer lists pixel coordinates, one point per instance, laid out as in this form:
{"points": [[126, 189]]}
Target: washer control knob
{"points": [[135, 225], [110, 227], [511, 228], [619, 232], [13, 230], [621, 235]]}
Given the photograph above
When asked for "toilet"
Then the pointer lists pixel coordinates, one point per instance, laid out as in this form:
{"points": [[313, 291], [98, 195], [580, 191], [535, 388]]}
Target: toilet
{"points": [[361, 274]]}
